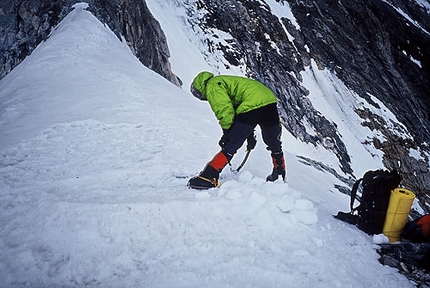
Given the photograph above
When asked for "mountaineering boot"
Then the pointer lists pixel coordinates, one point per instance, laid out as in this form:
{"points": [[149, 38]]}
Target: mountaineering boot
{"points": [[208, 178], [278, 167]]}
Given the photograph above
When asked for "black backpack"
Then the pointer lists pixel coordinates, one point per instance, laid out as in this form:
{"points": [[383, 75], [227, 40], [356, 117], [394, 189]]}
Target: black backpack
{"points": [[375, 197]]}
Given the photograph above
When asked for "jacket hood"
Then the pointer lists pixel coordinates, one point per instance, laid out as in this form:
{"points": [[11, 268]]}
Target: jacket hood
{"points": [[200, 81]]}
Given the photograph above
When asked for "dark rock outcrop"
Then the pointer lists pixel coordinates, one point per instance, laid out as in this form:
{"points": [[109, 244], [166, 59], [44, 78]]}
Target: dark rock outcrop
{"points": [[411, 259]]}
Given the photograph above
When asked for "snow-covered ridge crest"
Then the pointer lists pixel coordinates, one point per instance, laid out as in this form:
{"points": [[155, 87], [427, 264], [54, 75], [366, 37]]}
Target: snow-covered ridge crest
{"points": [[53, 90], [80, 6]]}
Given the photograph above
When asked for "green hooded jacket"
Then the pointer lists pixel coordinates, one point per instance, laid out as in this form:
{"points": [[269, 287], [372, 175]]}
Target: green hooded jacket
{"points": [[232, 95]]}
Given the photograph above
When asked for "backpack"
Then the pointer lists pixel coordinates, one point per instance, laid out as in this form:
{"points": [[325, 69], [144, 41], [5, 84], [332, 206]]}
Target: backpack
{"points": [[418, 230], [375, 197]]}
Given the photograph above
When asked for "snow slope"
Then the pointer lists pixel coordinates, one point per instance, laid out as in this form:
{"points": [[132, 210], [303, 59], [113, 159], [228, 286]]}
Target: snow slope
{"points": [[95, 153]]}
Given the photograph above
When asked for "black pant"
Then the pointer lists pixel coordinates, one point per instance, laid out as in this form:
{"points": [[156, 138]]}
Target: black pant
{"points": [[244, 124]]}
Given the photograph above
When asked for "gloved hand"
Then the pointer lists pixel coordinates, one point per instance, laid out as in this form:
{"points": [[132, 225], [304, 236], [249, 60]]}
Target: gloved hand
{"points": [[225, 137], [252, 141]]}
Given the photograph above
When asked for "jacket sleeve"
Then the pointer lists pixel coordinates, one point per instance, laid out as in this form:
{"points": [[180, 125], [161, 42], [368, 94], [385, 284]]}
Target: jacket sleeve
{"points": [[221, 104]]}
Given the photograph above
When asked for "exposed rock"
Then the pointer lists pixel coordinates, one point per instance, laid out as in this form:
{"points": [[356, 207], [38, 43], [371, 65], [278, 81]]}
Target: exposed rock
{"points": [[411, 259]]}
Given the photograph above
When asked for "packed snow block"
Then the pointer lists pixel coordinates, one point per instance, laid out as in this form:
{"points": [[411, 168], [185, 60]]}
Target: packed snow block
{"points": [[397, 213]]}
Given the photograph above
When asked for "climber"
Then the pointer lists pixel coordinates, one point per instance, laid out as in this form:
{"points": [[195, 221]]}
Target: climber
{"points": [[240, 104]]}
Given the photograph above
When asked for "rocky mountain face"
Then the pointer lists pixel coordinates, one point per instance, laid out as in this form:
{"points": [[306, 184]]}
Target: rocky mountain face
{"points": [[377, 48]]}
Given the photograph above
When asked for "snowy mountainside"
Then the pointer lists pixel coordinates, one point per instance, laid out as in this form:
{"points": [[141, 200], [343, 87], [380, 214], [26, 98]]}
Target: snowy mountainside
{"points": [[95, 153]]}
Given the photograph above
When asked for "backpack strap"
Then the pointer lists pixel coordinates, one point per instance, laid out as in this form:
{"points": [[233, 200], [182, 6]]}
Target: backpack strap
{"points": [[354, 195], [350, 217]]}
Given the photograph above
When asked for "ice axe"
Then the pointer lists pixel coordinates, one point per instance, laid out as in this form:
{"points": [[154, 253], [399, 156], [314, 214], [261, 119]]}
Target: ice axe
{"points": [[252, 141]]}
